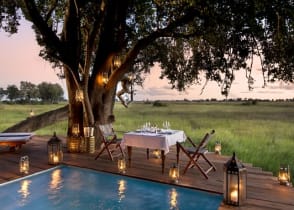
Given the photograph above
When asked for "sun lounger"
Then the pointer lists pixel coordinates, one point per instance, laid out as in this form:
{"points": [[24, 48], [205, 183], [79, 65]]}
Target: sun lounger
{"points": [[14, 140]]}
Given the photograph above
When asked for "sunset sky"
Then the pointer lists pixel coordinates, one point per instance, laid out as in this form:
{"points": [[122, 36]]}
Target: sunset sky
{"points": [[20, 62]]}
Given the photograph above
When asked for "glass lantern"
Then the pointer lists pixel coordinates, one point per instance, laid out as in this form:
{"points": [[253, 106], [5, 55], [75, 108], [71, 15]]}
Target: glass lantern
{"points": [[116, 61], [217, 148], [121, 165], [73, 144], [91, 145], [24, 165], [54, 149], [105, 78], [235, 181], [79, 95], [88, 131], [75, 130], [174, 173], [284, 175], [157, 153]]}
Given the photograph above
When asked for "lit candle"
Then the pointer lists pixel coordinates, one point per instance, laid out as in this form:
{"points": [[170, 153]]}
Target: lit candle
{"points": [[234, 196], [55, 159]]}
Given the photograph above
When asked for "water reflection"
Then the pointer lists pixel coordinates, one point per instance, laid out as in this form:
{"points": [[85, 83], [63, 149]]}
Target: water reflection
{"points": [[55, 185], [173, 199], [24, 192], [56, 180], [121, 189]]}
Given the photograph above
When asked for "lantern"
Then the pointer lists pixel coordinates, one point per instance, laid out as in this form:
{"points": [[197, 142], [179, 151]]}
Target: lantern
{"points": [[116, 62], [91, 145], [284, 175], [105, 78], [79, 95], [174, 173], [73, 143], [217, 148], [54, 149], [121, 165], [235, 180], [24, 165], [156, 153], [88, 131], [75, 130]]}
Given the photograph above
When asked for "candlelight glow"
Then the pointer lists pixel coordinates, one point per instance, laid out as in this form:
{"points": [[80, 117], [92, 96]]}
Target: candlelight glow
{"points": [[55, 180], [75, 129], [174, 173], [218, 148], [234, 196], [156, 153], [24, 192], [121, 164], [173, 199], [121, 189], [24, 165]]}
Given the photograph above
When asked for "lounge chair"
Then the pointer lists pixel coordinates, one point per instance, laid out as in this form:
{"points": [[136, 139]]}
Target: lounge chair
{"points": [[195, 152], [14, 140], [110, 142]]}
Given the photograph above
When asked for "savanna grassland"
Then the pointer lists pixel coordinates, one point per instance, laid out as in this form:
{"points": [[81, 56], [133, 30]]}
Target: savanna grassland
{"points": [[261, 134]]}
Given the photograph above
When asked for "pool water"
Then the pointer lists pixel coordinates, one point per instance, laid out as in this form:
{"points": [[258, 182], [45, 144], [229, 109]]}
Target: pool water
{"points": [[76, 188]]}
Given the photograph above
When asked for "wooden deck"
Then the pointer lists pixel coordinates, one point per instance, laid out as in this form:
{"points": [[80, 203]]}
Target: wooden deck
{"points": [[263, 189]]}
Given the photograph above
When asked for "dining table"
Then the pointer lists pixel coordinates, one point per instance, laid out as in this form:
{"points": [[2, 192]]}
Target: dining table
{"points": [[158, 140]]}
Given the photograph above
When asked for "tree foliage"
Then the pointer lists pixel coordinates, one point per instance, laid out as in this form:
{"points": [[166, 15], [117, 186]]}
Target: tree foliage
{"points": [[28, 92], [50, 92], [188, 38]]}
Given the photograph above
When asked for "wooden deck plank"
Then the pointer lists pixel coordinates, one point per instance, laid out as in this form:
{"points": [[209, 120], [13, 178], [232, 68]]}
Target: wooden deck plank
{"points": [[263, 189]]}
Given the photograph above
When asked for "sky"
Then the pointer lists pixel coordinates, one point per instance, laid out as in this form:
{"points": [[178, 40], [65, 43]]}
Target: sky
{"points": [[20, 61]]}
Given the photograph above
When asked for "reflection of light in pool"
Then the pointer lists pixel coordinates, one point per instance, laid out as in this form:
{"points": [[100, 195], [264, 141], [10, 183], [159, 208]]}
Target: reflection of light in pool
{"points": [[76, 188], [56, 181], [173, 199], [24, 191], [121, 189]]}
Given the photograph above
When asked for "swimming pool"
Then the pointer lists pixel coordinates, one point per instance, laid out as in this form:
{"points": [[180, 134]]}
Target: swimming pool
{"points": [[69, 187]]}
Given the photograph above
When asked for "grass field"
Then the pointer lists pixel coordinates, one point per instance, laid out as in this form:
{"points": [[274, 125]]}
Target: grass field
{"points": [[261, 134]]}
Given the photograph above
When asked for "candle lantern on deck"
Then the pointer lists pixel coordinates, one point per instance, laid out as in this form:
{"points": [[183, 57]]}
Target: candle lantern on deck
{"points": [[54, 149], [235, 180], [121, 165], [218, 148], [174, 173], [157, 153], [24, 165], [89, 139], [284, 175]]}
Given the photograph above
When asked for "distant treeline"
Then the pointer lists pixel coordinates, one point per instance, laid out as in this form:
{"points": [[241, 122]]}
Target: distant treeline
{"points": [[30, 93]]}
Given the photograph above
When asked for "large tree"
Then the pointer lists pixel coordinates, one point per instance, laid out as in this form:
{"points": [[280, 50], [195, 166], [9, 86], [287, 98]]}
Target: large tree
{"points": [[188, 38]]}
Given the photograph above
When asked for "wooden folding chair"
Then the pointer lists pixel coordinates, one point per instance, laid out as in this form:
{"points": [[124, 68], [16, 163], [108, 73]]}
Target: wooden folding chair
{"points": [[110, 142], [195, 152]]}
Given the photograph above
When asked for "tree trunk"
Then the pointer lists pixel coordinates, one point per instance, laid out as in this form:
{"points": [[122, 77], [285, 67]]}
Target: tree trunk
{"points": [[36, 122]]}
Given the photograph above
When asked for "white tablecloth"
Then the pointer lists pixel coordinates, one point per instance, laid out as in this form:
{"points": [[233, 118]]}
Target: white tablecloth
{"points": [[161, 140]]}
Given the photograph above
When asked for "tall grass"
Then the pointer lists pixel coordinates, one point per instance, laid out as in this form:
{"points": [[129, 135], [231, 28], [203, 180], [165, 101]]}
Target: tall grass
{"points": [[261, 134]]}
